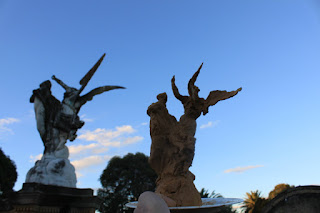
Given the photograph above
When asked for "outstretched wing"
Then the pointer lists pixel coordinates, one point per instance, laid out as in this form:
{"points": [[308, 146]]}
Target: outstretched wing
{"points": [[88, 97], [218, 95], [84, 81]]}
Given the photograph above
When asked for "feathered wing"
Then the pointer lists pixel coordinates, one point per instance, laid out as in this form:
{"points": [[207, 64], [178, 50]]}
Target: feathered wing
{"points": [[218, 95], [88, 97], [84, 81]]}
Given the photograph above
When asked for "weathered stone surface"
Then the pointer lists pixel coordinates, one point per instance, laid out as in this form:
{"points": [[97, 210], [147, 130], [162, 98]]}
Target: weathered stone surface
{"points": [[304, 199], [173, 142], [51, 170]]}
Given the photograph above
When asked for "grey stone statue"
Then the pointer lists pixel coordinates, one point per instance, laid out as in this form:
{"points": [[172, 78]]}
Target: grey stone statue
{"points": [[173, 142], [58, 122]]}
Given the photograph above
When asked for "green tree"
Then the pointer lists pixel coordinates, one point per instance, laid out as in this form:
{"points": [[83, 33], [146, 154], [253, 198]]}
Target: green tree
{"points": [[254, 203], [123, 180], [278, 189], [8, 173], [205, 194], [8, 177]]}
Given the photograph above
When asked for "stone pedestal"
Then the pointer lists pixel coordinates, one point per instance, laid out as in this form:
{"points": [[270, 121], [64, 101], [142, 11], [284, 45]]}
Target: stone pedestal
{"points": [[35, 197]]}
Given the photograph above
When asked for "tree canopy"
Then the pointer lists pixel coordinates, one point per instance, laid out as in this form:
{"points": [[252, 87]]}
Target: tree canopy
{"points": [[123, 180], [254, 202], [278, 189], [8, 177], [8, 173], [205, 194]]}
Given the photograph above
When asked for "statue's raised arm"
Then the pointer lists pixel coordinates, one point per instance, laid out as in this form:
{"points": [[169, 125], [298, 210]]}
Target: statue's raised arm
{"points": [[176, 93], [192, 89], [61, 83]]}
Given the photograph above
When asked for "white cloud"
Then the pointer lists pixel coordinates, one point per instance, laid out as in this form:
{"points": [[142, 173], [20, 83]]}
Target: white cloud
{"points": [[35, 158], [89, 161], [4, 121], [110, 138], [87, 155], [76, 149], [132, 140], [92, 148], [209, 124], [144, 124], [85, 119], [7, 121], [242, 169], [78, 175]]}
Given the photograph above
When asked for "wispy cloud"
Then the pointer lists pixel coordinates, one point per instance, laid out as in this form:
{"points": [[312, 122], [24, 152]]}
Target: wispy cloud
{"points": [[242, 169], [93, 147], [132, 140], [76, 149], [35, 158], [4, 122], [85, 119], [112, 138], [90, 161], [97, 152], [210, 124]]}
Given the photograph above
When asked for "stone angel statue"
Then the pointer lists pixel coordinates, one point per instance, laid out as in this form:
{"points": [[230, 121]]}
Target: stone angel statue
{"points": [[173, 142], [72, 102], [58, 122]]}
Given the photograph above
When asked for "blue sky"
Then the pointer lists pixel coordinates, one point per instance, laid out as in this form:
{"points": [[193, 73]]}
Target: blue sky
{"points": [[266, 135]]}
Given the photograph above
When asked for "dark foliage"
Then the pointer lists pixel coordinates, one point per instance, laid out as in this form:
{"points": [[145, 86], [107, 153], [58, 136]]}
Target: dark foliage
{"points": [[8, 177], [8, 173], [205, 194], [278, 189], [123, 180], [254, 203]]}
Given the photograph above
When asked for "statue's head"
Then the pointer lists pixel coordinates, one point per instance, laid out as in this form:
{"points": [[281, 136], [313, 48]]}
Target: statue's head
{"points": [[45, 85], [162, 97], [196, 89]]}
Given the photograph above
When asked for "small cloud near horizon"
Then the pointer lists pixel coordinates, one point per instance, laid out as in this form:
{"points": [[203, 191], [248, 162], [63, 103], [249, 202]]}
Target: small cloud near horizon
{"points": [[96, 152], [7, 121], [93, 147], [111, 138], [209, 124], [89, 161], [242, 169], [33, 159], [85, 119]]}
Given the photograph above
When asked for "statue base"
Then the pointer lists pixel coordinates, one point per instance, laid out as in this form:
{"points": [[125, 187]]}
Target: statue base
{"points": [[53, 169], [35, 197]]}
